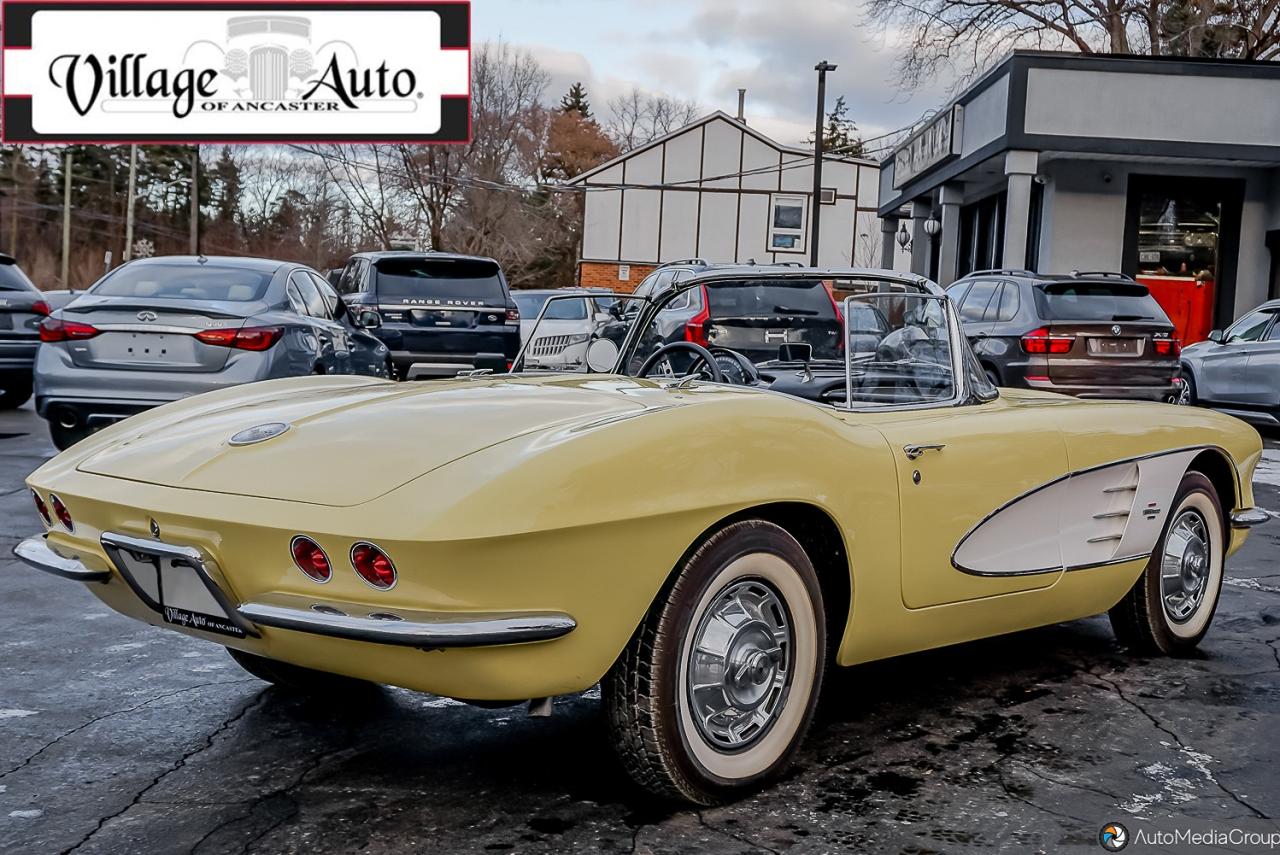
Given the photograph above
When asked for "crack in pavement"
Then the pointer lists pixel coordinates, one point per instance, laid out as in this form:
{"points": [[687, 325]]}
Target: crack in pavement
{"points": [[1227, 791], [1050, 779], [178, 764], [96, 719], [724, 832]]}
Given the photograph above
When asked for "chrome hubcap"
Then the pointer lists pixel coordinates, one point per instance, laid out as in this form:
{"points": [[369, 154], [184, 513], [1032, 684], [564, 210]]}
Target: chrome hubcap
{"points": [[1184, 566], [739, 669]]}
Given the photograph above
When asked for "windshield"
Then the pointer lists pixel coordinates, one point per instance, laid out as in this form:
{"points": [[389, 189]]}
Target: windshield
{"points": [[1097, 301], [186, 281], [459, 281]]}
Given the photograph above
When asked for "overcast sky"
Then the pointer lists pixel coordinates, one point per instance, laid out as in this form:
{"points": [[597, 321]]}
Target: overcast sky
{"points": [[704, 50]]}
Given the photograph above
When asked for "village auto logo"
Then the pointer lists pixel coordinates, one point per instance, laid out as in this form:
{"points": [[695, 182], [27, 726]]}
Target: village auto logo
{"points": [[196, 71]]}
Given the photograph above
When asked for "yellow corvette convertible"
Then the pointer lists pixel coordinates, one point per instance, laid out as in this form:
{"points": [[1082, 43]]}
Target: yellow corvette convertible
{"points": [[738, 481]]}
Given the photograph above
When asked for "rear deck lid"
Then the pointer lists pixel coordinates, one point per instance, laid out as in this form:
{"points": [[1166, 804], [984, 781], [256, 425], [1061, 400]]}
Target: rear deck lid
{"points": [[346, 445]]}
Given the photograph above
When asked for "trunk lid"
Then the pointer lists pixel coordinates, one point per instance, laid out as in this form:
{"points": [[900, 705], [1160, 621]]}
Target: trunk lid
{"points": [[155, 334], [1119, 353], [448, 420]]}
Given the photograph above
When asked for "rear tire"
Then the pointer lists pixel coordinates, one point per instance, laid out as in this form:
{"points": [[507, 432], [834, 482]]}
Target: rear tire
{"points": [[748, 604], [64, 437], [297, 678], [17, 391], [1187, 395], [1169, 615]]}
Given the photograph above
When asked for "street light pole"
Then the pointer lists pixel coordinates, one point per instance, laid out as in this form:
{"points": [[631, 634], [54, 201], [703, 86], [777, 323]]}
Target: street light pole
{"points": [[66, 216], [128, 201], [822, 68], [195, 201]]}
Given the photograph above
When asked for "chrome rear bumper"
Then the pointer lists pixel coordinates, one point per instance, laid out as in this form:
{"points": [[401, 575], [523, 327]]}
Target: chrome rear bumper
{"points": [[401, 627]]}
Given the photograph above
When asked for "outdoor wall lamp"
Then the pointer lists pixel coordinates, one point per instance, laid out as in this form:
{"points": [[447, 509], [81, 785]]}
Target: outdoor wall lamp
{"points": [[904, 237], [932, 226]]}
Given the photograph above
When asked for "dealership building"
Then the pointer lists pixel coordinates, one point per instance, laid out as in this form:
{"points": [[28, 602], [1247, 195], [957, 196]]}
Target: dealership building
{"points": [[1166, 169]]}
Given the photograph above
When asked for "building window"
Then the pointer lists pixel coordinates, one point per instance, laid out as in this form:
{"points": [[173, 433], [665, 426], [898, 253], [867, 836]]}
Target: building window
{"points": [[828, 196], [786, 224]]}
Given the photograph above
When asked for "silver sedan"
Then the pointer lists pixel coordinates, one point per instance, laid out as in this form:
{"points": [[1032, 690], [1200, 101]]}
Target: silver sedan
{"points": [[160, 329]]}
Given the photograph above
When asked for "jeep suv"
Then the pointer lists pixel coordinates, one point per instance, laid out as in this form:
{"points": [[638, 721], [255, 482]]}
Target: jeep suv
{"points": [[436, 312], [1092, 335]]}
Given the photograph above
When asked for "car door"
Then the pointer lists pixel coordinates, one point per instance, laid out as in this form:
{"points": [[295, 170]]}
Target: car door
{"points": [[1260, 380], [1221, 376], [958, 464], [333, 354]]}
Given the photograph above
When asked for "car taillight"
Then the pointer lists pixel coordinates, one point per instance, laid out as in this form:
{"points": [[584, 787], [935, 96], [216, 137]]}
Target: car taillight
{"points": [[40, 307], [41, 508], [310, 558], [695, 329], [1039, 341], [1168, 347], [513, 316], [54, 330], [61, 512], [245, 338], [373, 565]]}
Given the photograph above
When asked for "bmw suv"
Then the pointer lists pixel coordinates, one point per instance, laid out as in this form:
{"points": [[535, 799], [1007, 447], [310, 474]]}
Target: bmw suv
{"points": [[1092, 335], [438, 313]]}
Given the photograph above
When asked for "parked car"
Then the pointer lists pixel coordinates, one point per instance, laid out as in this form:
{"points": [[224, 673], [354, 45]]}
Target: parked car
{"points": [[1092, 335], [22, 308], [703, 546], [155, 330], [1238, 370], [565, 330], [438, 313]]}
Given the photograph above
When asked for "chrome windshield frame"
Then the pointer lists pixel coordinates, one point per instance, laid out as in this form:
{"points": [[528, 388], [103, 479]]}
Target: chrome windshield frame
{"points": [[955, 341]]}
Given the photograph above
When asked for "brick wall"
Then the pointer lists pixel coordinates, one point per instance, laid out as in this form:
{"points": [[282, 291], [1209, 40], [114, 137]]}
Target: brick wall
{"points": [[598, 274]]}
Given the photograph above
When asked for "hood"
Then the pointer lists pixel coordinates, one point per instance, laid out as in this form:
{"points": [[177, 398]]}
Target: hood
{"points": [[347, 445]]}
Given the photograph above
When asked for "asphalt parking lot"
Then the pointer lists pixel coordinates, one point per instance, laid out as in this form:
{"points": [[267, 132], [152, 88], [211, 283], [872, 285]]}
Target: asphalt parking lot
{"points": [[116, 738]]}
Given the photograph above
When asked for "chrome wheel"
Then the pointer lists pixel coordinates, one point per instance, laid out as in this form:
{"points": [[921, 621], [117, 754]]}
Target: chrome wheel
{"points": [[739, 669], [1184, 566]]}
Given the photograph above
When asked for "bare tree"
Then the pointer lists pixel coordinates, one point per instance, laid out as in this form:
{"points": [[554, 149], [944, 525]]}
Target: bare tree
{"points": [[640, 117], [967, 35]]}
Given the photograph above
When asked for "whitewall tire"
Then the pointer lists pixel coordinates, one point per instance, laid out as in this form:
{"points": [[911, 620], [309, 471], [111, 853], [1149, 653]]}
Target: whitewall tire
{"points": [[1170, 607], [716, 689]]}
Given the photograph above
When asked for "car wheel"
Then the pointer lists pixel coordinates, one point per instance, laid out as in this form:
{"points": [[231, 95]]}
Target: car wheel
{"points": [[64, 437], [296, 677], [713, 694], [1169, 608], [1187, 391], [16, 392], [993, 377]]}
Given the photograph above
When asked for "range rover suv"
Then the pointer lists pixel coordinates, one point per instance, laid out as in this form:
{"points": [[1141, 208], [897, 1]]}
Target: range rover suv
{"points": [[1092, 335], [438, 313]]}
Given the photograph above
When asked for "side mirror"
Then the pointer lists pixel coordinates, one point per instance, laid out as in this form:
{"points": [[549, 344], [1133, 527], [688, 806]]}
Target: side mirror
{"points": [[369, 319], [603, 317], [602, 355], [1217, 337], [795, 353]]}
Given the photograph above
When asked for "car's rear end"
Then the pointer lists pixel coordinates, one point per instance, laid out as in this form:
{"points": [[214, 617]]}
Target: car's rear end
{"points": [[439, 313], [1103, 338], [757, 319], [22, 307], [153, 332]]}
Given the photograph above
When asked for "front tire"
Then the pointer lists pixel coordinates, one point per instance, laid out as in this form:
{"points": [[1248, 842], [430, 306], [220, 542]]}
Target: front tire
{"points": [[715, 691], [298, 678], [1169, 609]]}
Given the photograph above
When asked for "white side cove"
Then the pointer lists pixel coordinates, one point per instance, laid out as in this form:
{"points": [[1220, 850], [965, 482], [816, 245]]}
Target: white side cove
{"points": [[1099, 516]]}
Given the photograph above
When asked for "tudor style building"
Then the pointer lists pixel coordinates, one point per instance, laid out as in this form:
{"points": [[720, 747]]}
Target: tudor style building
{"points": [[719, 190]]}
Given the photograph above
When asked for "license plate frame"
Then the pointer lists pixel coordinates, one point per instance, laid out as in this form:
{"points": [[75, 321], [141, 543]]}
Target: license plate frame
{"points": [[1127, 346]]}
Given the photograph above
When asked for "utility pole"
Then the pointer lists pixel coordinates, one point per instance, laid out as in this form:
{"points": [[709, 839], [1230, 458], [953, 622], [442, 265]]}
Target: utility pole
{"points": [[13, 222], [66, 216], [128, 203], [195, 201], [822, 68]]}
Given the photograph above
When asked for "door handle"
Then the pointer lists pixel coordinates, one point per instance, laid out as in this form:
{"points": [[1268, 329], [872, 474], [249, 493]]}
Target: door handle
{"points": [[914, 451]]}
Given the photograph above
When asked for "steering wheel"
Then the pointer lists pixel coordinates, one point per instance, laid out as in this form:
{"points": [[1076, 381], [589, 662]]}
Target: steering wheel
{"points": [[701, 354], [743, 371]]}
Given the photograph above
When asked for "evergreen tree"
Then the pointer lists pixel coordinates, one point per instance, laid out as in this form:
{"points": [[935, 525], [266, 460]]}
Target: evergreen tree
{"points": [[576, 101], [840, 133]]}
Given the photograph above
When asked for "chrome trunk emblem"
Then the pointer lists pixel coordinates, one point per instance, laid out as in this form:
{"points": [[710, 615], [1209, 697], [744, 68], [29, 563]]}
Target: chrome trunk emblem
{"points": [[1115, 329], [258, 433], [147, 315], [155, 529]]}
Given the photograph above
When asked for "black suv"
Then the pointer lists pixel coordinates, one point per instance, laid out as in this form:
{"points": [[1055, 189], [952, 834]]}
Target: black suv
{"points": [[22, 308], [440, 312], [1093, 335]]}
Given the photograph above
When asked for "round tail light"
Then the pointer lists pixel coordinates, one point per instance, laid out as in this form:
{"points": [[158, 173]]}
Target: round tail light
{"points": [[373, 565], [310, 558], [42, 508], [61, 512]]}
